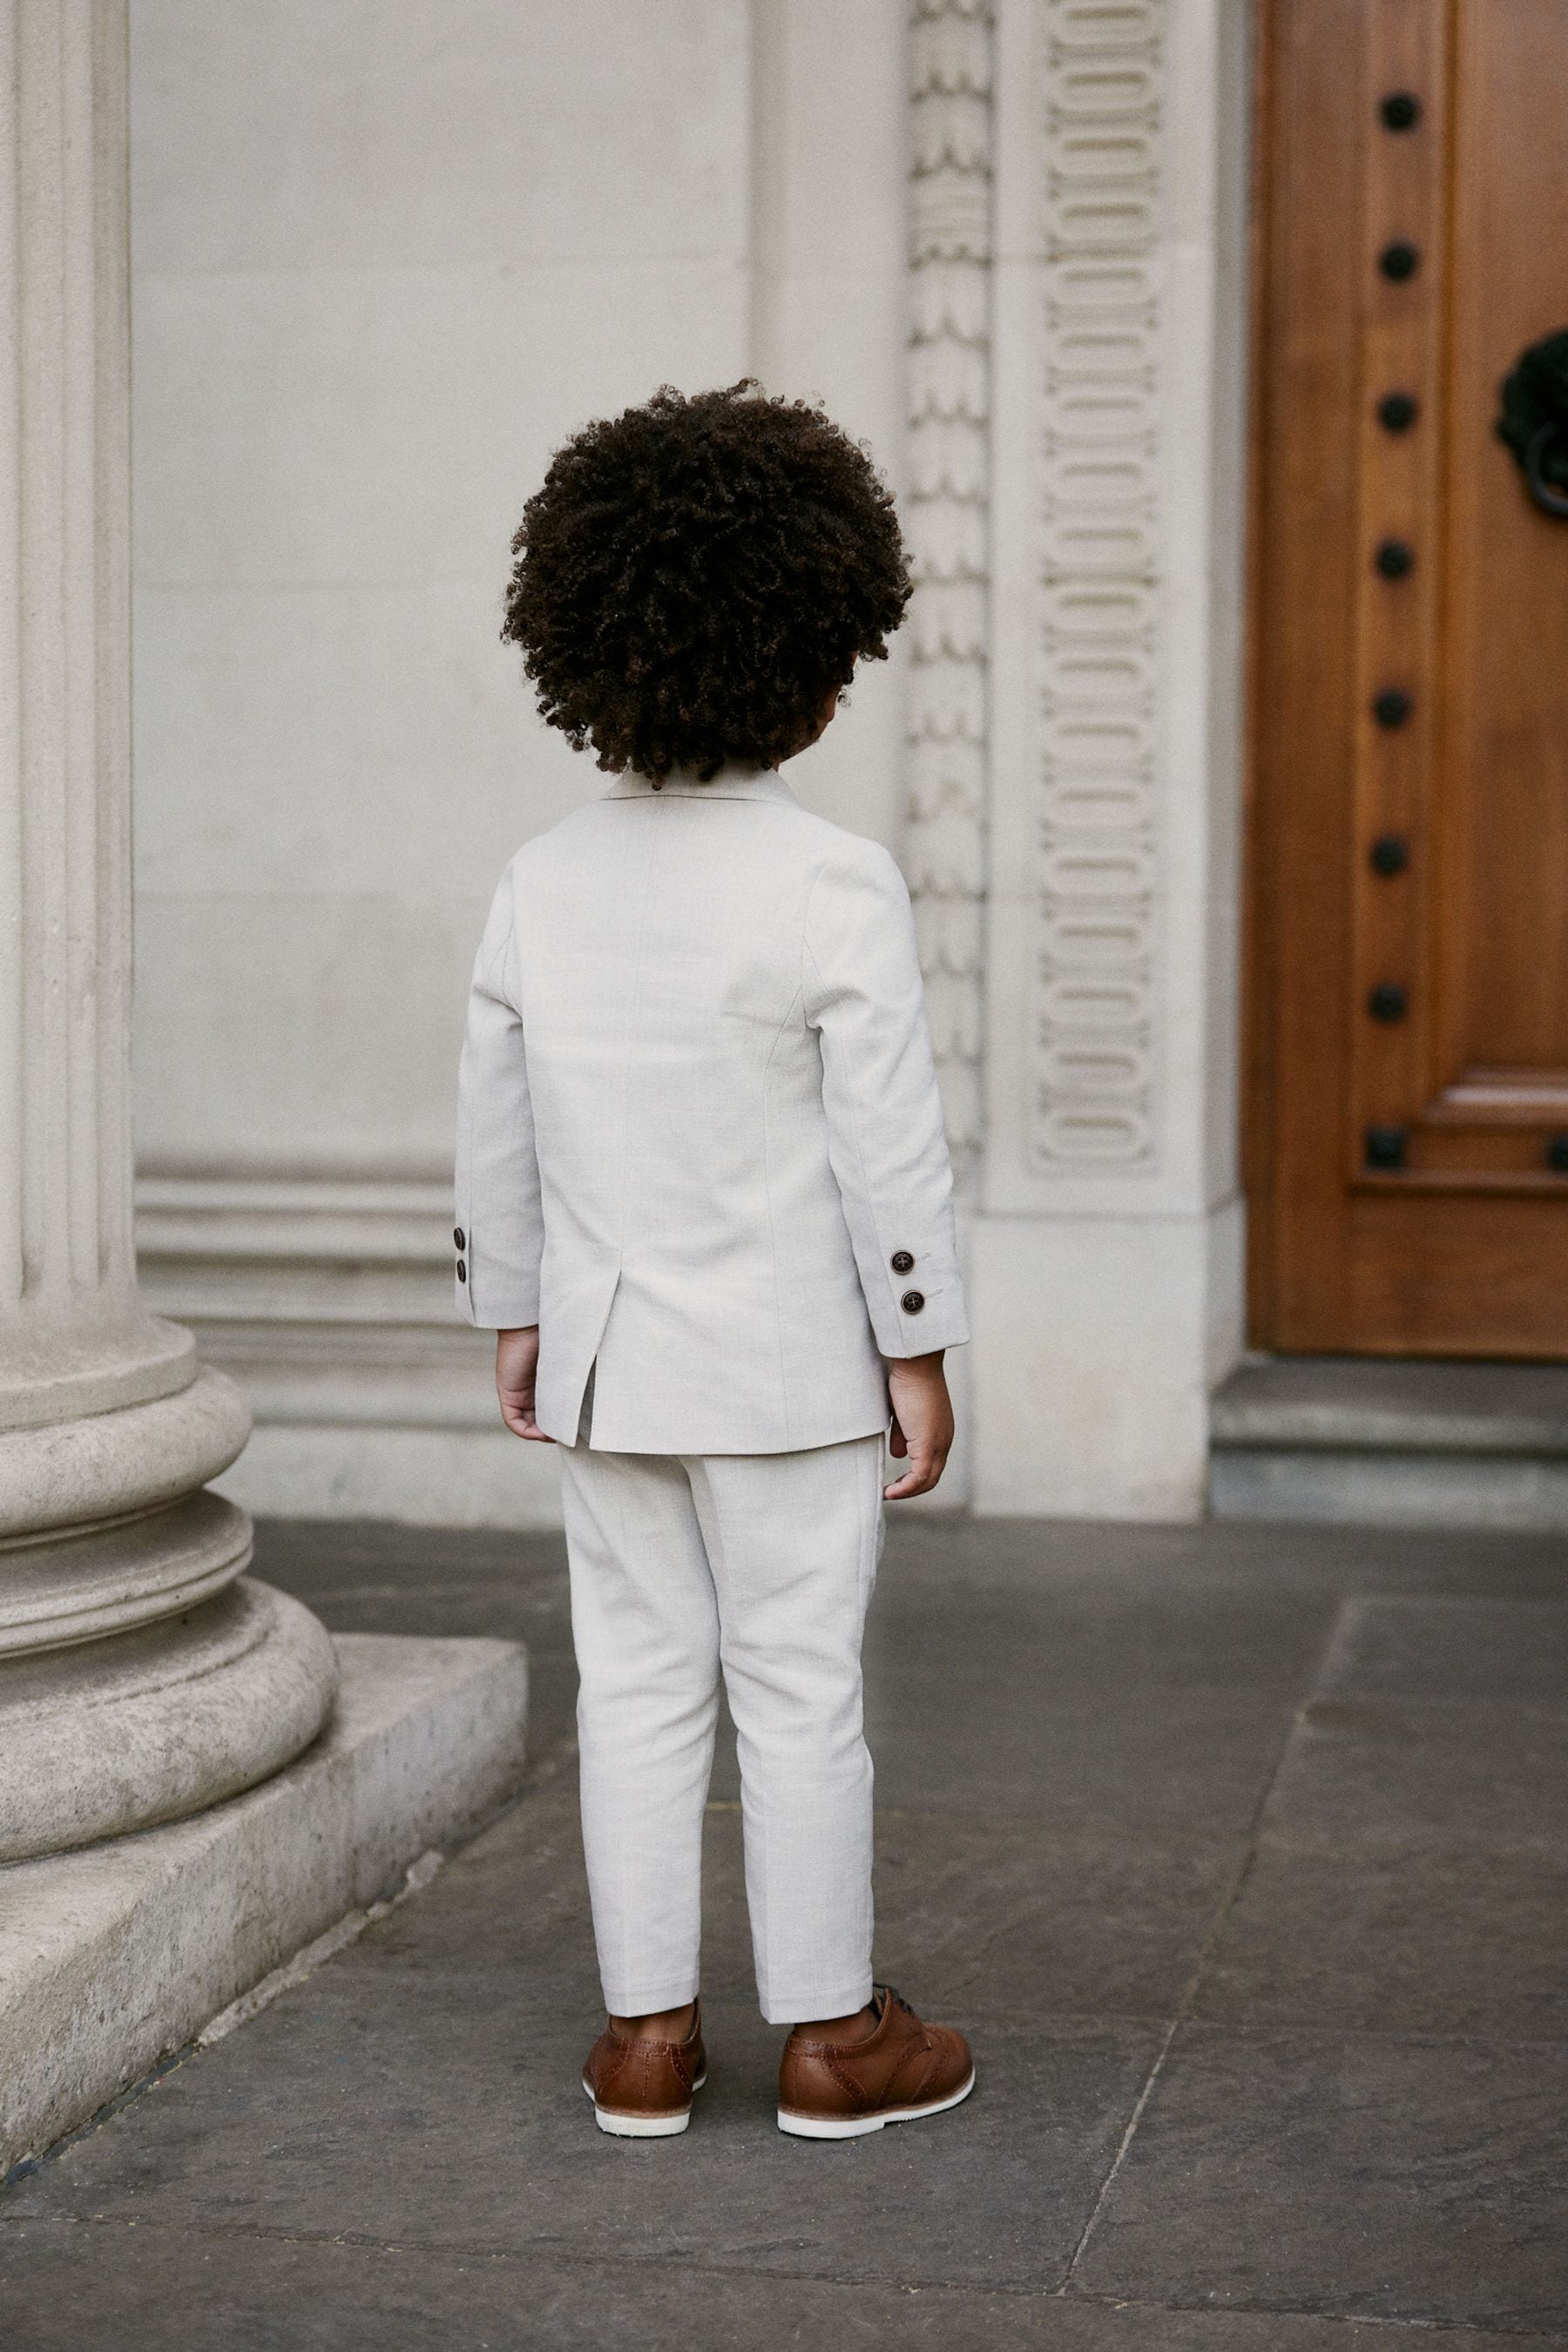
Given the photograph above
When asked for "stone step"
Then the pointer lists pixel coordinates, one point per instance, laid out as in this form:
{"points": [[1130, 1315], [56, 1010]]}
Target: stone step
{"points": [[1392, 1442], [117, 1955]]}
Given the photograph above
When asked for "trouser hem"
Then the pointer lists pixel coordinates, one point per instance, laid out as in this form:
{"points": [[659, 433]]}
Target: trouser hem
{"points": [[647, 2000], [818, 2001]]}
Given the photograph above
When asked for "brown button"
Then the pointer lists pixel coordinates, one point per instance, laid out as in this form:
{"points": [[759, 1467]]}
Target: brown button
{"points": [[912, 1301], [458, 1236], [462, 1271], [902, 1262]]}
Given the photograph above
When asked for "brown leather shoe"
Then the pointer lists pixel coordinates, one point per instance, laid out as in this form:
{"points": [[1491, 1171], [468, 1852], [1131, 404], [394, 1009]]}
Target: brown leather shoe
{"points": [[904, 2068], [642, 2090]]}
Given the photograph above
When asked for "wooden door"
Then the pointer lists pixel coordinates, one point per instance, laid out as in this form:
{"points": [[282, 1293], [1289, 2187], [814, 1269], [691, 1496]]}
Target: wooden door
{"points": [[1407, 1142]]}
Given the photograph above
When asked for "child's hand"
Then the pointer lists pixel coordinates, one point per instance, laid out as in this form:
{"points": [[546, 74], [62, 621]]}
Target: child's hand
{"points": [[923, 1423], [517, 1360]]}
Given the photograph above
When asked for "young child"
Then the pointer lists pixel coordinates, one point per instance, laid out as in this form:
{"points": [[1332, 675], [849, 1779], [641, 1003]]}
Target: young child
{"points": [[703, 1198]]}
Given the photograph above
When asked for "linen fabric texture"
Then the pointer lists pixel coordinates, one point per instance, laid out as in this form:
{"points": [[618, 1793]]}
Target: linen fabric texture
{"points": [[698, 1122], [763, 1565]]}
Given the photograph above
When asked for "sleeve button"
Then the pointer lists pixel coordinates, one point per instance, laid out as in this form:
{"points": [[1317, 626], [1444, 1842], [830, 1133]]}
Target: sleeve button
{"points": [[902, 1262], [458, 1236], [912, 1301], [462, 1271]]}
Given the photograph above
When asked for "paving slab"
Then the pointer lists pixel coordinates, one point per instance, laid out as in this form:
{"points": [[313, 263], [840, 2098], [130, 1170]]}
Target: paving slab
{"points": [[1154, 1706], [1419, 1772], [97, 2284], [1461, 1651], [1434, 1721], [1407, 2178], [995, 1917], [1438, 1939], [436, 2115]]}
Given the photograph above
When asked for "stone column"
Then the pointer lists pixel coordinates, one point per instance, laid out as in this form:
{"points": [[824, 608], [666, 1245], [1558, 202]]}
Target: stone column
{"points": [[139, 1680]]}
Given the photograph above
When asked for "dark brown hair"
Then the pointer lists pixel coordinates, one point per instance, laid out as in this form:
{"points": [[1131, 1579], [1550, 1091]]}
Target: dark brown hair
{"points": [[693, 577]]}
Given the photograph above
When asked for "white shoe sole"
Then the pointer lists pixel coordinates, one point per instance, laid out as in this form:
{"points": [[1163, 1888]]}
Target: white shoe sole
{"points": [[857, 2126], [641, 2126]]}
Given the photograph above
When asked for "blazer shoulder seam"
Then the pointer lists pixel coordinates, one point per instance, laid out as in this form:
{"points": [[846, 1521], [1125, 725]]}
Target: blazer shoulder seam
{"points": [[497, 959]]}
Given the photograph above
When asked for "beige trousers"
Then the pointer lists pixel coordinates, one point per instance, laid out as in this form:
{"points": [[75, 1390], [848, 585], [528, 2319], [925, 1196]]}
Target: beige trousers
{"points": [[758, 1566]]}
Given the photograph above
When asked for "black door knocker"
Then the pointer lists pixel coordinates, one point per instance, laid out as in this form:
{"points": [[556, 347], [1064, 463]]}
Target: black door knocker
{"points": [[1534, 420]]}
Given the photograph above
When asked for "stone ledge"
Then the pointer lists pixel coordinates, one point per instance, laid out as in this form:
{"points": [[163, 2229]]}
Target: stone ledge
{"points": [[1364, 1404], [1385, 1489], [1392, 1442], [120, 1953]]}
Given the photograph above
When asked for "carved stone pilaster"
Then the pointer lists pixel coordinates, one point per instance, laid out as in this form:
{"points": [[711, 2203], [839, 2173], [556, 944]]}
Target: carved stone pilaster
{"points": [[947, 527], [1094, 1017]]}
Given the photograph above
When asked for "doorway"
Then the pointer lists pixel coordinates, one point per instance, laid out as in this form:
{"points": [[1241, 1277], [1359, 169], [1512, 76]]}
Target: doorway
{"points": [[1407, 1094]]}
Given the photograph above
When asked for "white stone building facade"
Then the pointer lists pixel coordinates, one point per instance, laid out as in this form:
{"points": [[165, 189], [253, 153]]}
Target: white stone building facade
{"points": [[384, 257]]}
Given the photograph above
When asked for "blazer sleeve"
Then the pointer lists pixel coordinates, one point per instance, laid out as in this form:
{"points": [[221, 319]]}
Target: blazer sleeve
{"points": [[862, 994], [499, 1224]]}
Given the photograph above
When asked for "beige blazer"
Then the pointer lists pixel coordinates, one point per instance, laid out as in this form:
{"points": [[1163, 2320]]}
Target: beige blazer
{"points": [[699, 1141]]}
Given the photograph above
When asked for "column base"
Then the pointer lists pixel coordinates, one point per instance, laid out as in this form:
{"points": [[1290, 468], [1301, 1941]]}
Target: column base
{"points": [[115, 1735], [112, 1956]]}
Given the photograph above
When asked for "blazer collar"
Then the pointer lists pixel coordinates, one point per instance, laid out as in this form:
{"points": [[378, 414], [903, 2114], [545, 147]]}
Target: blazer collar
{"points": [[733, 782]]}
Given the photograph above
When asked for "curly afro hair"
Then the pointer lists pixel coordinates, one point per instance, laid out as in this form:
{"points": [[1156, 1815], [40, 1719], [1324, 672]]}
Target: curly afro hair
{"points": [[695, 576]]}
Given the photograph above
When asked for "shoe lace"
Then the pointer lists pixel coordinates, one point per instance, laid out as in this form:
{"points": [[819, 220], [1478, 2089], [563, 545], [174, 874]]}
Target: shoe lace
{"points": [[891, 1992]]}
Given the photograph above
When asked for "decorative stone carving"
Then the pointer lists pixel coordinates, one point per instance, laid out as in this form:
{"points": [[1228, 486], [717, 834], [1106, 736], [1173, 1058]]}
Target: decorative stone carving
{"points": [[1096, 1071], [947, 527], [138, 1681]]}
